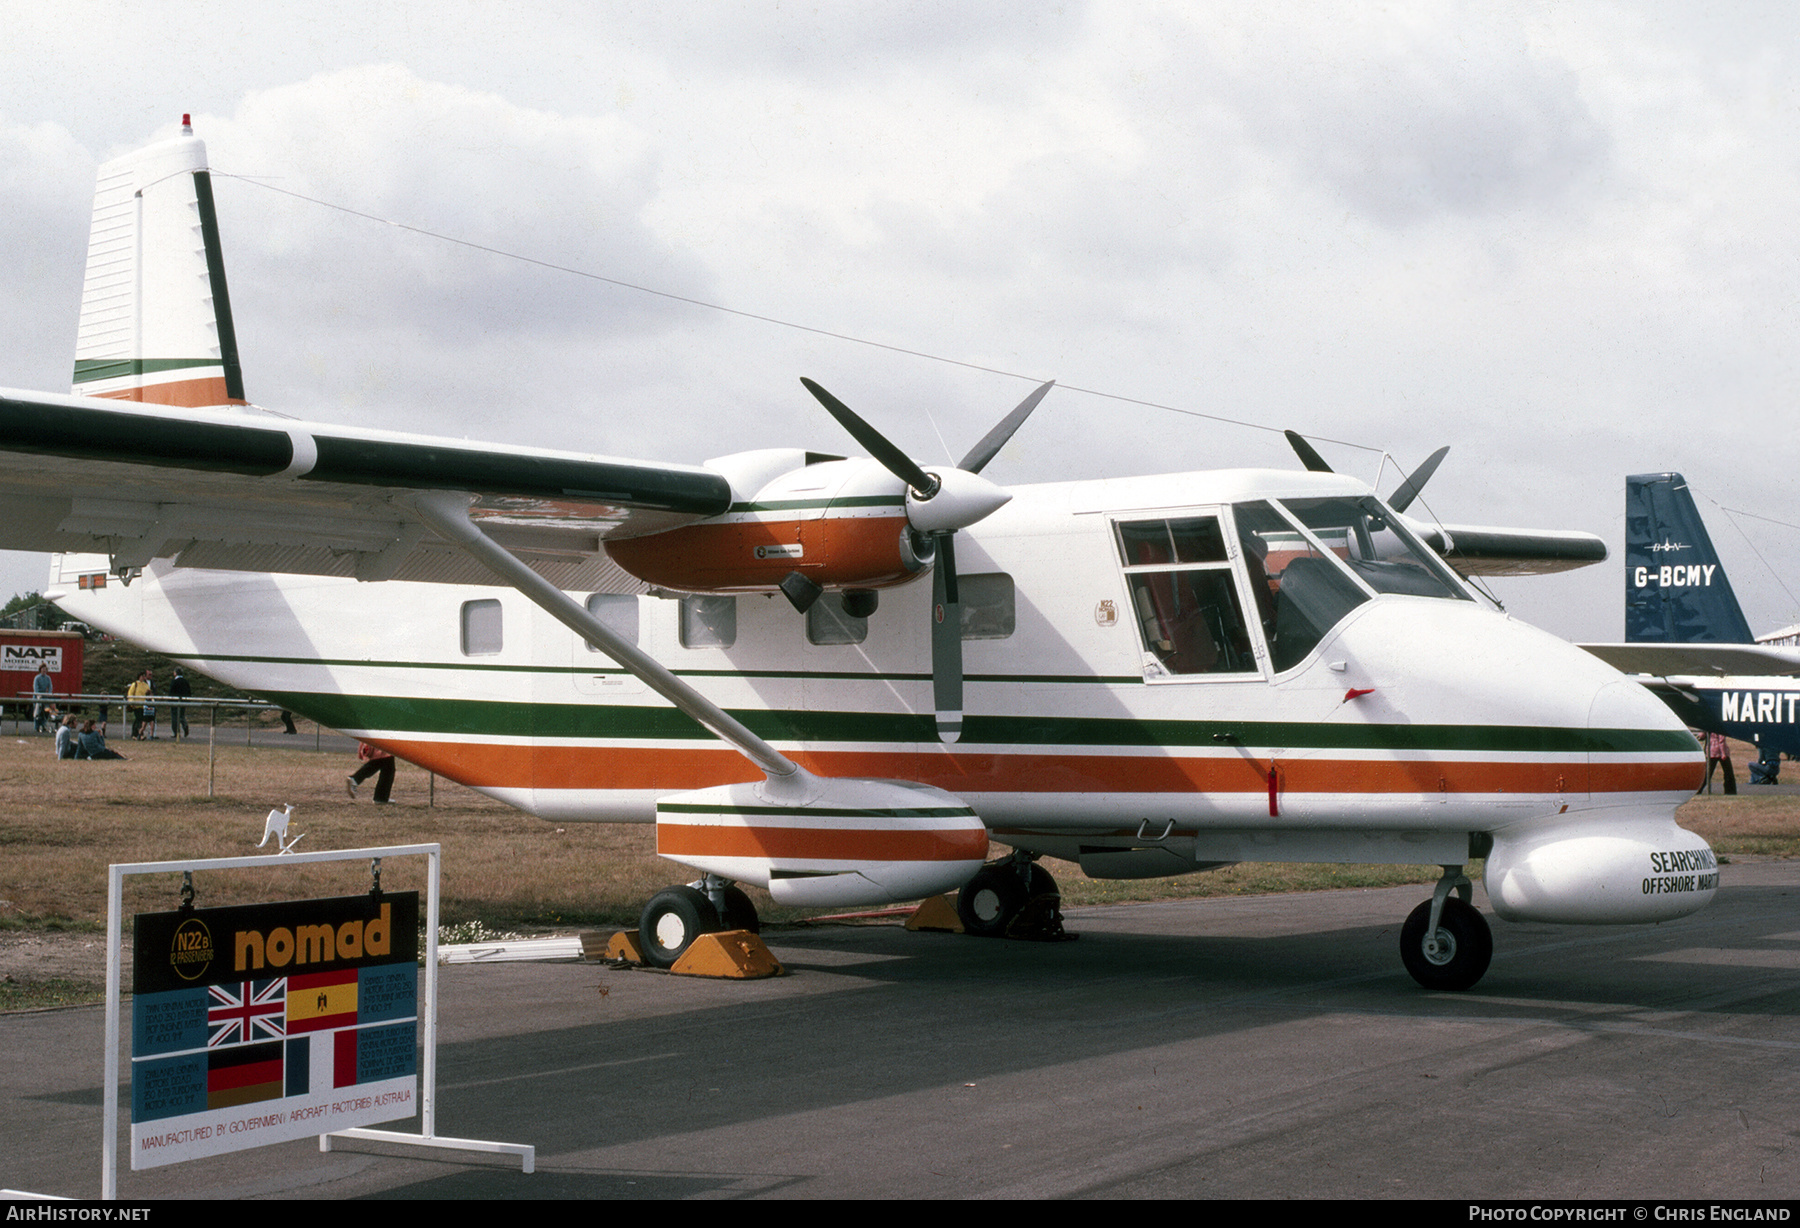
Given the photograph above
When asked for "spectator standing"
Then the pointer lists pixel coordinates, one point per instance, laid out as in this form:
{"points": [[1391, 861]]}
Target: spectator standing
{"points": [[1718, 752], [40, 691], [135, 695], [179, 689], [378, 763]]}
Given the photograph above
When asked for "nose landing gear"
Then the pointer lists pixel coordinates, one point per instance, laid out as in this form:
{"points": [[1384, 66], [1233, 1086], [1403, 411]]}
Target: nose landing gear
{"points": [[1446, 943]]}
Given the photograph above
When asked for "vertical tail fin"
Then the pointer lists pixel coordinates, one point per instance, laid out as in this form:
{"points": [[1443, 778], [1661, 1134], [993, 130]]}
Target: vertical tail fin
{"points": [[155, 315], [1675, 589]]}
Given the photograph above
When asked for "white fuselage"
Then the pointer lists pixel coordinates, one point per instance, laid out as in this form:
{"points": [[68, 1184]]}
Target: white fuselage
{"points": [[1414, 722]]}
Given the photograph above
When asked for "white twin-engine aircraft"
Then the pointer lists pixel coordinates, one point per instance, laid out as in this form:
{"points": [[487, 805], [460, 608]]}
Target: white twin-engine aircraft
{"points": [[1146, 676]]}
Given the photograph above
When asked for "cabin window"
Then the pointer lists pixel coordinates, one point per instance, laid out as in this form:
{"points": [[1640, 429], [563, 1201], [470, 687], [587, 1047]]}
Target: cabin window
{"points": [[618, 613], [1184, 597], [481, 632], [1301, 591], [708, 622], [826, 623], [988, 611]]}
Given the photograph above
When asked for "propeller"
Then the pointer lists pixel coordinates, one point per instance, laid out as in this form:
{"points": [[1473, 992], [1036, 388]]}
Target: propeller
{"points": [[1409, 489], [1307, 454], [938, 504], [1403, 495]]}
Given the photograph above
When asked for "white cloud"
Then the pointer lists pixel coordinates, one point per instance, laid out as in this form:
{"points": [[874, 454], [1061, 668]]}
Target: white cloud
{"points": [[1558, 239]]}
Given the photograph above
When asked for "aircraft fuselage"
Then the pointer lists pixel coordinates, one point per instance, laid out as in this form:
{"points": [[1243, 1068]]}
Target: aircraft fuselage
{"points": [[1411, 725]]}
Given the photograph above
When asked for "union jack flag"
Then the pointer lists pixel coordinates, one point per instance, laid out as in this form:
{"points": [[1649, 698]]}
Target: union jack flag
{"points": [[244, 1011]]}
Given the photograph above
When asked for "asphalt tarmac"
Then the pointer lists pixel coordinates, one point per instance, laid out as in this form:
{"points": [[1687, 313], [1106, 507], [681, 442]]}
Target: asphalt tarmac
{"points": [[1253, 1047]]}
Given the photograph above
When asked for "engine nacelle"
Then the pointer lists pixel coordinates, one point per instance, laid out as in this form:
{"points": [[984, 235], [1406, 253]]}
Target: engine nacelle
{"points": [[860, 842], [1600, 868], [840, 523]]}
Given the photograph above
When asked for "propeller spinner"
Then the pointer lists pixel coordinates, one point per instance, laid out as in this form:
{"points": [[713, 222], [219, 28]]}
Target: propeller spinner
{"points": [[937, 505]]}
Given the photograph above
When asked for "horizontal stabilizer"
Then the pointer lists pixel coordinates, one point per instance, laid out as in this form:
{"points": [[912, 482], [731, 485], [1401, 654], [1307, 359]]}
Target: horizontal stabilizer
{"points": [[1699, 660]]}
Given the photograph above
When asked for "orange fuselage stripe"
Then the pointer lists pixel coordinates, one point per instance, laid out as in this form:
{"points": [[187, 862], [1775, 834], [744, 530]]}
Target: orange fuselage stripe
{"points": [[824, 844], [674, 769]]}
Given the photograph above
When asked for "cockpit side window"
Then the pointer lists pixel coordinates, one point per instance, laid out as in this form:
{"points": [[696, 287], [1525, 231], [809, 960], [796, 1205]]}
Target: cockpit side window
{"points": [[1300, 593], [1184, 597]]}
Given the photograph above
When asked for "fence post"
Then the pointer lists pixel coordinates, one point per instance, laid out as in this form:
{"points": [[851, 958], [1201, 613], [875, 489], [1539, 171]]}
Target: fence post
{"points": [[212, 746]]}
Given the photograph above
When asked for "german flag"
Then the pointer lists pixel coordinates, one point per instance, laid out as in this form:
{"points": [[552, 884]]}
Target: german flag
{"points": [[243, 1074]]}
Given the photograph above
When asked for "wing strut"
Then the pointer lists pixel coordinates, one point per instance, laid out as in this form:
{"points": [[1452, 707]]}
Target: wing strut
{"points": [[448, 515]]}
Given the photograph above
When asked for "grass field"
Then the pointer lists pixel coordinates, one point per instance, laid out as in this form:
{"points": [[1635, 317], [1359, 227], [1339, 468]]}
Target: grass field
{"points": [[63, 823]]}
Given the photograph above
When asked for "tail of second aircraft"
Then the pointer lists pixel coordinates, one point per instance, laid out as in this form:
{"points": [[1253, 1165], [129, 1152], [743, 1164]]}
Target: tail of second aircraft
{"points": [[1675, 588], [155, 315]]}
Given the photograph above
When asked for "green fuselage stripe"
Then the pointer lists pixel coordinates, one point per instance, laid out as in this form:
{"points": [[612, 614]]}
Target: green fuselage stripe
{"points": [[599, 668], [497, 718]]}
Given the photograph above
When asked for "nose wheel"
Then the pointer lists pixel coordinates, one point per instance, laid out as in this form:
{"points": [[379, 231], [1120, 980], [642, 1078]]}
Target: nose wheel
{"points": [[1453, 958]]}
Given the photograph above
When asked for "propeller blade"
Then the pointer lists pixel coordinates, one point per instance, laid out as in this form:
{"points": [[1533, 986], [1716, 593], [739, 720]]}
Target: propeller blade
{"points": [[1409, 489], [1308, 457], [875, 443], [946, 644], [995, 439]]}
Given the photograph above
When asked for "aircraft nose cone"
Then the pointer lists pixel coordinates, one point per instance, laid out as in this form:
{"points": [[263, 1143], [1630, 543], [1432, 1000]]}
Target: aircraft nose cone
{"points": [[1637, 745]]}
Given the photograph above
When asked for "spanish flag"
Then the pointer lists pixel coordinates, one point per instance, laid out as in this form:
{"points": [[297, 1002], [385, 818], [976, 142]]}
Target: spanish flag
{"points": [[321, 1001]]}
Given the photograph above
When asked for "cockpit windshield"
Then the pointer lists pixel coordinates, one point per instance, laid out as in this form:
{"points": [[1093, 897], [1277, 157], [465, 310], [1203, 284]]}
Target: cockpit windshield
{"points": [[1302, 581], [1376, 546]]}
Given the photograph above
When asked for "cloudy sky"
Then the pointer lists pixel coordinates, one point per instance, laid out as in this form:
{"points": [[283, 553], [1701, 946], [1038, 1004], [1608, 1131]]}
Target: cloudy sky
{"points": [[1559, 238]]}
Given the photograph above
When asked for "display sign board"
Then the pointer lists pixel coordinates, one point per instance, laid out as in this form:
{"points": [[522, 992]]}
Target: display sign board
{"points": [[271, 1022]]}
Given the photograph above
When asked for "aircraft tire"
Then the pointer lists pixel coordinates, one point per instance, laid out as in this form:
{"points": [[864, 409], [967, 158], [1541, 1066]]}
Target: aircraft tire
{"points": [[740, 913], [1468, 946], [988, 903], [673, 918]]}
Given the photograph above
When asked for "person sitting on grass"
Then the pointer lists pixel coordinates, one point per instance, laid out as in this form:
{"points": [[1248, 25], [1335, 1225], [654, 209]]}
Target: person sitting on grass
{"points": [[93, 744], [68, 742]]}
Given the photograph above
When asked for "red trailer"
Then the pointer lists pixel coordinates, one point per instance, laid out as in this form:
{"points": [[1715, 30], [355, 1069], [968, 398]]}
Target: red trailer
{"points": [[21, 652]]}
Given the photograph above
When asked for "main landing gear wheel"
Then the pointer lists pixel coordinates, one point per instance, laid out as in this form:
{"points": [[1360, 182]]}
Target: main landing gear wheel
{"points": [[739, 913], [989, 901], [1011, 900], [672, 919], [1460, 955]]}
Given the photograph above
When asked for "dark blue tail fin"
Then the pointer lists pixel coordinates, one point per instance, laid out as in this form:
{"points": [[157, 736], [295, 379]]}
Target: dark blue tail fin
{"points": [[1675, 590]]}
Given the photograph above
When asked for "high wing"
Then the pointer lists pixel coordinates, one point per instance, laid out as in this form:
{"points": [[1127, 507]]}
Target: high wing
{"points": [[1700, 660], [236, 490], [1476, 550]]}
